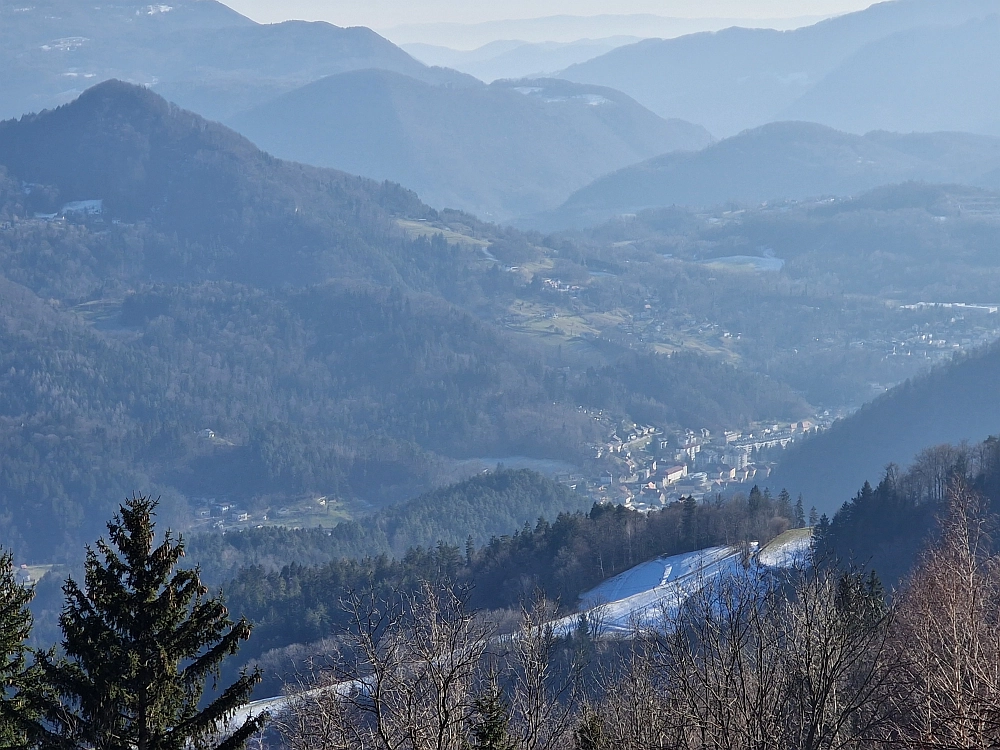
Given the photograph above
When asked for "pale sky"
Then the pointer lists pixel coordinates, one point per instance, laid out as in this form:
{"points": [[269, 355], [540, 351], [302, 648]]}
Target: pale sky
{"points": [[385, 14]]}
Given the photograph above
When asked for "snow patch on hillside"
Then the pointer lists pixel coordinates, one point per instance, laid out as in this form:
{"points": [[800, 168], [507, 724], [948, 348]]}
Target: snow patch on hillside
{"points": [[790, 549], [654, 591]]}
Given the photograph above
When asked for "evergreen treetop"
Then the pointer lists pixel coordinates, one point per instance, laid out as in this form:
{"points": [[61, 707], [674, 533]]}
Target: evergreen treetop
{"points": [[141, 640], [16, 676]]}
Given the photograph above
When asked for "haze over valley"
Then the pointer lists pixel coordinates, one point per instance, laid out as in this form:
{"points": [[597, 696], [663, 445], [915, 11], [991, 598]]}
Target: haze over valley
{"points": [[581, 324]]}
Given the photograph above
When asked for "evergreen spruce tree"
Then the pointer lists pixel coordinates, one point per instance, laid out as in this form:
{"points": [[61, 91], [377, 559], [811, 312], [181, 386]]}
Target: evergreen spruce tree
{"points": [[688, 522], [141, 639], [800, 514], [17, 678], [490, 728], [784, 508]]}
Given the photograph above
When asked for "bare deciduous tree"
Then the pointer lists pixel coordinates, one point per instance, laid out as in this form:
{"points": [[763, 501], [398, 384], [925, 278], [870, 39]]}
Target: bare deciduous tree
{"points": [[544, 699], [407, 683], [424, 673], [756, 661], [949, 632]]}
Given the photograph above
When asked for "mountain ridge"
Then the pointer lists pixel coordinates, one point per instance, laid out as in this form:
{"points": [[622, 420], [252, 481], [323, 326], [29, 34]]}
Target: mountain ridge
{"points": [[786, 160], [953, 403], [924, 79], [497, 151], [199, 53], [741, 78]]}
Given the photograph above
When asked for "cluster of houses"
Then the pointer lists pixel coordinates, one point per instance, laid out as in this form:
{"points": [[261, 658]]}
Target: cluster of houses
{"points": [[89, 209], [221, 513], [23, 576], [646, 468]]}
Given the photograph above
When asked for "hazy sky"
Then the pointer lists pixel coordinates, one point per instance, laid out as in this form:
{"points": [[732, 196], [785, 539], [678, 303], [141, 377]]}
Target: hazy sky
{"points": [[383, 14]]}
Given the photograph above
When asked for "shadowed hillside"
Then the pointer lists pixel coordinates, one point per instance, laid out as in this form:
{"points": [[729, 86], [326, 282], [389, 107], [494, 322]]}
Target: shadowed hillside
{"points": [[956, 402]]}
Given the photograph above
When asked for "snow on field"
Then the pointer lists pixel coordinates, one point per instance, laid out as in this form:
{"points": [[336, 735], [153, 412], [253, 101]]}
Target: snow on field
{"points": [[647, 593], [790, 548]]}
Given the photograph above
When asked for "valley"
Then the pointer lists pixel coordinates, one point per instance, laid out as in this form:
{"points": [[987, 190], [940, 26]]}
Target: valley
{"points": [[548, 379]]}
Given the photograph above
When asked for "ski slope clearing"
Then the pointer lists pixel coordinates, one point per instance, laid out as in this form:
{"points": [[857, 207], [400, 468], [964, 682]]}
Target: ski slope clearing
{"points": [[643, 596], [654, 591]]}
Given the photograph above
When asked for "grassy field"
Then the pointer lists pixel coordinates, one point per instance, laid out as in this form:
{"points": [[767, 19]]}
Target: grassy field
{"points": [[309, 513], [416, 229], [99, 309], [789, 537]]}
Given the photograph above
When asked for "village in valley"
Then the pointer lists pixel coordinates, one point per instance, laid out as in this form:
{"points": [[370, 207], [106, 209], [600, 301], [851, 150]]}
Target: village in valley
{"points": [[645, 468]]}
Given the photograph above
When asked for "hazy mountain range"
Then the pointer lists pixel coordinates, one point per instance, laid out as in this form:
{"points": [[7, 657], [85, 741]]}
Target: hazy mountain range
{"points": [[199, 53], [325, 320], [791, 160], [742, 78], [498, 151], [319, 324], [349, 99], [516, 59], [571, 28]]}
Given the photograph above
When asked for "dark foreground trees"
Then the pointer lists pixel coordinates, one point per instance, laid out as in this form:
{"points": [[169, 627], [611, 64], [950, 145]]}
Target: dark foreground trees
{"points": [[812, 659], [949, 633], [424, 673], [141, 639], [17, 678]]}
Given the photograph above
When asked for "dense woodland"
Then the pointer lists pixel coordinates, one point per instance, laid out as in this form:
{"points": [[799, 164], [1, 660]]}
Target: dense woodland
{"points": [[885, 526], [203, 299], [473, 511]]}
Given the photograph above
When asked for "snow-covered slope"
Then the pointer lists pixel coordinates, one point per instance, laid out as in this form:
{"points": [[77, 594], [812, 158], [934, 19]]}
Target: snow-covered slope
{"points": [[653, 591], [643, 595], [790, 549]]}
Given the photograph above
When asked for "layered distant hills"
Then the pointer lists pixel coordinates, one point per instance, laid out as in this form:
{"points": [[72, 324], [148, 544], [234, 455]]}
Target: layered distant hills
{"points": [[922, 79], [516, 59], [498, 151], [198, 53], [780, 161], [351, 100], [890, 66]]}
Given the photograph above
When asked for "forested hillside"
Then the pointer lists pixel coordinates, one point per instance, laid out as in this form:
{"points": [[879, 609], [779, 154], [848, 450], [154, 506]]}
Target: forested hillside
{"points": [[494, 504], [232, 327], [242, 214], [557, 556], [954, 403], [781, 161], [891, 518]]}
